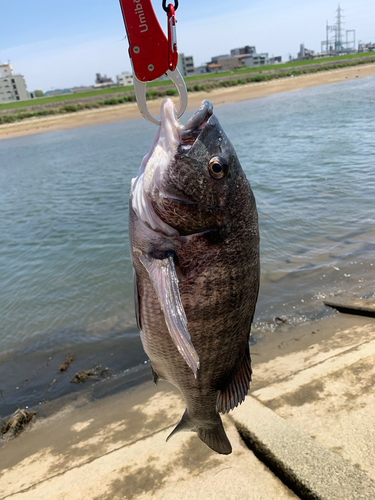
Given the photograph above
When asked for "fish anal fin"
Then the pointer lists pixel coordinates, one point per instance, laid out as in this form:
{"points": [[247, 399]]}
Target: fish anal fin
{"points": [[164, 279], [184, 425], [235, 392]]}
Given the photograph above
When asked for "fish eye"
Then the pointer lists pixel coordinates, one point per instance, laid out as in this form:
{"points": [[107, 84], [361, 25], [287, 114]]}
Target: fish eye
{"points": [[217, 168]]}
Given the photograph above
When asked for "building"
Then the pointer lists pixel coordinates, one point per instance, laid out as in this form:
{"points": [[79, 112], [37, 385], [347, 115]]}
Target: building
{"points": [[186, 65], [255, 60], [12, 87], [305, 53], [223, 63], [200, 70], [102, 81], [124, 79], [216, 58], [243, 50], [239, 57], [366, 47]]}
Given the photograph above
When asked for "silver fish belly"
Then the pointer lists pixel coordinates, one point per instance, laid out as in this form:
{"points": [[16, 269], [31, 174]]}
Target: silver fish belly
{"points": [[194, 244]]}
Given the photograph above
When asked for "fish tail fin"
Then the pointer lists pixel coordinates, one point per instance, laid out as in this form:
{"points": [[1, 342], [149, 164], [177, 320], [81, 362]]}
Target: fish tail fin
{"points": [[214, 437]]}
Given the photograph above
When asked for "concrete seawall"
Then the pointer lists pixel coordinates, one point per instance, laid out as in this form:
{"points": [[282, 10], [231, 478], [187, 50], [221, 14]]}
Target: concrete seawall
{"points": [[306, 431]]}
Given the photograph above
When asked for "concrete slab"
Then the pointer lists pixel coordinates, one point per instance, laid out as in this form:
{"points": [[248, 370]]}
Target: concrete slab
{"points": [[311, 419], [115, 448], [308, 467], [307, 376], [325, 392], [299, 357]]}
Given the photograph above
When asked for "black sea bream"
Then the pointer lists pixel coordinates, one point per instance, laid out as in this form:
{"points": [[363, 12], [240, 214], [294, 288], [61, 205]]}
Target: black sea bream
{"points": [[195, 249]]}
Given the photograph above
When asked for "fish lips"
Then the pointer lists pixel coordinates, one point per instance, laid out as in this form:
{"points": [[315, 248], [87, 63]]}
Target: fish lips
{"points": [[202, 131], [189, 132]]}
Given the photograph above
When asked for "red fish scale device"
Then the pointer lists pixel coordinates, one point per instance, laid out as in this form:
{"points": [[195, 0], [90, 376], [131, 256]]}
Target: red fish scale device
{"points": [[151, 52]]}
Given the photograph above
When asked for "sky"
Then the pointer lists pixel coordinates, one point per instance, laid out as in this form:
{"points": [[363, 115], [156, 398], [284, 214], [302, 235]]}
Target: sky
{"points": [[64, 44]]}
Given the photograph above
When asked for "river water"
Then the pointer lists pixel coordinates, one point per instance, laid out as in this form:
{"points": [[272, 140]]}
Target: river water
{"points": [[65, 270]]}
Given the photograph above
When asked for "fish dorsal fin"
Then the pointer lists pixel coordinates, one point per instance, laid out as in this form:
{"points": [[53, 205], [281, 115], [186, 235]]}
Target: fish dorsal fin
{"points": [[164, 279], [235, 392]]}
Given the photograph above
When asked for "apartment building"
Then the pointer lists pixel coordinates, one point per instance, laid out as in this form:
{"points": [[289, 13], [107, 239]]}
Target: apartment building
{"points": [[241, 51], [124, 79], [12, 87], [257, 60], [185, 64]]}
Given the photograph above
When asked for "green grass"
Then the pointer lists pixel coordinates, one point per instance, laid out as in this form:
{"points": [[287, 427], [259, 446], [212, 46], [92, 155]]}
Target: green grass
{"points": [[276, 67], [247, 77], [162, 83], [64, 97]]}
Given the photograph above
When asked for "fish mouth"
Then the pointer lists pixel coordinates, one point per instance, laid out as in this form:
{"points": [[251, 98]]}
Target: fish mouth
{"points": [[186, 134], [174, 138], [189, 132]]}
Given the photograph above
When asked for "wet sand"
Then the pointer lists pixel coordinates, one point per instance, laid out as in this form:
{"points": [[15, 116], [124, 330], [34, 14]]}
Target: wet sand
{"points": [[218, 97]]}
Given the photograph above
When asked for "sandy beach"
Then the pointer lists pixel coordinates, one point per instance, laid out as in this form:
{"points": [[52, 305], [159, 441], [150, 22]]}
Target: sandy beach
{"points": [[218, 97]]}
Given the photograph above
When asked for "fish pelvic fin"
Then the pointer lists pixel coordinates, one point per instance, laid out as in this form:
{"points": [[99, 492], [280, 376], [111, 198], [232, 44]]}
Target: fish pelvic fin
{"points": [[136, 301], [235, 392], [155, 376], [165, 282], [214, 437]]}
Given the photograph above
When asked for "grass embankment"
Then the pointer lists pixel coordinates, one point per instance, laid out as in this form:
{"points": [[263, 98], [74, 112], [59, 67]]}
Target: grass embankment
{"points": [[210, 82]]}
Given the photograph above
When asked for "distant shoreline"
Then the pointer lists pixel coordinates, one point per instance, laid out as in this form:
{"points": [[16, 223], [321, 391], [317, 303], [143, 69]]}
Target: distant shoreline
{"points": [[218, 97]]}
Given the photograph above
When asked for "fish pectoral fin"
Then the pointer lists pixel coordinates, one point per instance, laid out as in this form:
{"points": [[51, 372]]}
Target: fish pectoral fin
{"points": [[235, 392], [164, 279]]}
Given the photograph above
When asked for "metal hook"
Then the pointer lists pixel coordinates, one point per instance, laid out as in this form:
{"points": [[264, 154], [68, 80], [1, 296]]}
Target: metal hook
{"points": [[140, 93]]}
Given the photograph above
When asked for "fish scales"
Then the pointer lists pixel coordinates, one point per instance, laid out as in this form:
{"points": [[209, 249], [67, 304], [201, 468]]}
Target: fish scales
{"points": [[195, 250]]}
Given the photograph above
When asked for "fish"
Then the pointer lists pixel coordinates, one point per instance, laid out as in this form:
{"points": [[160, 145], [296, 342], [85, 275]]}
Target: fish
{"points": [[194, 244]]}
